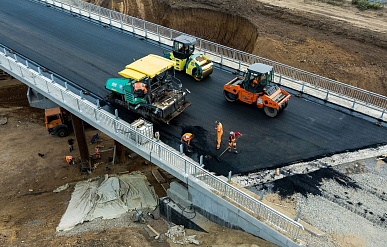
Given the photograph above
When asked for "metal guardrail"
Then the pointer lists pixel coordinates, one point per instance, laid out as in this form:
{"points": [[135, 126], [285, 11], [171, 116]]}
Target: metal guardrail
{"points": [[20, 68], [225, 55]]}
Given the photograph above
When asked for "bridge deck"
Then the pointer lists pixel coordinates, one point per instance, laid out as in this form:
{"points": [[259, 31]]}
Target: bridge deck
{"points": [[88, 54]]}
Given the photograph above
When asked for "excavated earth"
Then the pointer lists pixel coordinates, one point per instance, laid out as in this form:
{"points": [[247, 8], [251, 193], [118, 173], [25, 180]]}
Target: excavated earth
{"points": [[338, 42]]}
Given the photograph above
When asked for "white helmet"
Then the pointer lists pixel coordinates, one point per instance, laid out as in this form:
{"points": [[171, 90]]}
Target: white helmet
{"points": [[231, 133], [186, 136]]}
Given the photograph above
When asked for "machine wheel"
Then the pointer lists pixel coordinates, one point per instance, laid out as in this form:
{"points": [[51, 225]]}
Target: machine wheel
{"points": [[230, 97], [286, 104], [62, 132], [270, 112], [195, 75]]}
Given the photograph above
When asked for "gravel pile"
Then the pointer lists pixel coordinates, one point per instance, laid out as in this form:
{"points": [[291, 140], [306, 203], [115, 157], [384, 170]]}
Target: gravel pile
{"points": [[345, 198]]}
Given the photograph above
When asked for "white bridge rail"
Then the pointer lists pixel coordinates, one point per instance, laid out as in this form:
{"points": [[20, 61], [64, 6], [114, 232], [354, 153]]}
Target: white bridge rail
{"points": [[22, 69], [351, 97]]}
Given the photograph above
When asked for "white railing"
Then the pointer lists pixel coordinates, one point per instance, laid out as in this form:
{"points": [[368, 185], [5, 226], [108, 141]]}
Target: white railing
{"points": [[233, 58], [46, 84]]}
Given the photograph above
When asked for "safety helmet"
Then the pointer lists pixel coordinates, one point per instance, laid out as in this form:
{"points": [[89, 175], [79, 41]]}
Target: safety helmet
{"points": [[231, 133], [186, 136]]}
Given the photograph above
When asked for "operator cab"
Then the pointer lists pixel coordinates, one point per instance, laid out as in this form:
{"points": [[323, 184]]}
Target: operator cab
{"points": [[183, 46], [258, 77]]}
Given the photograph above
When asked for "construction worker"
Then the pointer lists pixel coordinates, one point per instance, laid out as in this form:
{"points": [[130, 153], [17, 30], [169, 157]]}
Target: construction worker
{"points": [[219, 133], [97, 152], [70, 160], [186, 139], [71, 143], [232, 141], [139, 89]]}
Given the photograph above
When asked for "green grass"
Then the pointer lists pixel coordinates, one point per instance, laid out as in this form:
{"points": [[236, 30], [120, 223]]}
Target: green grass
{"points": [[364, 5]]}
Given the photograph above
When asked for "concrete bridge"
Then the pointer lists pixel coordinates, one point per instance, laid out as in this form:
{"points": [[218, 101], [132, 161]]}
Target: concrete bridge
{"points": [[82, 45]]}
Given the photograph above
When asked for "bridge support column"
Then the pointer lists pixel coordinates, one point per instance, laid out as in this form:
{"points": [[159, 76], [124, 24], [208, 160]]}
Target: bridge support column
{"points": [[81, 138], [120, 152]]}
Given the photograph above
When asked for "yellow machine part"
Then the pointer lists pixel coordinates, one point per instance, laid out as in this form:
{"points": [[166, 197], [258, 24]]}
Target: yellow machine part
{"points": [[148, 66], [180, 63]]}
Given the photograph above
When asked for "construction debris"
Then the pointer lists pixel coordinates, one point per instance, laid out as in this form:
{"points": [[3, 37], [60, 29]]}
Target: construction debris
{"points": [[61, 188], [3, 120], [177, 235]]}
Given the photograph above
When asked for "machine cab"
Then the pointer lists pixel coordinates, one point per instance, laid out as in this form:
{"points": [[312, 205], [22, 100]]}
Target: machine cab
{"points": [[183, 46], [258, 77]]}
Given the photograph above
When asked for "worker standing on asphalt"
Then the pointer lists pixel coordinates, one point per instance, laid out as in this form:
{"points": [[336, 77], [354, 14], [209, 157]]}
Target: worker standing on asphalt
{"points": [[186, 140], [97, 152], [70, 160], [232, 141], [71, 143], [219, 133]]}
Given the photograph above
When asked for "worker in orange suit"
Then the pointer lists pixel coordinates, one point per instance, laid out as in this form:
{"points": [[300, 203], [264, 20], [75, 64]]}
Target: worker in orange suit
{"points": [[97, 152], [140, 89], [186, 140], [70, 160], [232, 141], [219, 133]]}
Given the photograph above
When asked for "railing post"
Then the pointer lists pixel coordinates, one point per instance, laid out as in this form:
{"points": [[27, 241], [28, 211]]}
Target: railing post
{"points": [[133, 25], [221, 59], [79, 108], [121, 24], [201, 161], [381, 117], [280, 80], [326, 97], [116, 113], [262, 194], [298, 215], [15, 57], [66, 86], [98, 104], [27, 65], [146, 35], [48, 89], [303, 85], [89, 11], [99, 14], [81, 94], [353, 105], [229, 176], [239, 66], [110, 17], [181, 149]]}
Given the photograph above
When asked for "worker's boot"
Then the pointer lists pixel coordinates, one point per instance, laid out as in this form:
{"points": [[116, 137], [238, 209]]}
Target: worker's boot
{"points": [[229, 150], [235, 151]]}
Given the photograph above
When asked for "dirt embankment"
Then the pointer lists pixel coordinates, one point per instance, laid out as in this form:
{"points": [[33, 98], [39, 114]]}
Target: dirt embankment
{"points": [[333, 41]]}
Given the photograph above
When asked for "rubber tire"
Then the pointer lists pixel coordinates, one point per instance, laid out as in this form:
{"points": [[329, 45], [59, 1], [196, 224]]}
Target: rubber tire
{"points": [[230, 97], [62, 133], [270, 112], [286, 104]]}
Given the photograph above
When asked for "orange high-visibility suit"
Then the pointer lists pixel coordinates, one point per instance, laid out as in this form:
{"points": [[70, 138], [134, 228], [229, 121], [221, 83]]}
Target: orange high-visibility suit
{"points": [[219, 133], [186, 139], [97, 152], [70, 160]]}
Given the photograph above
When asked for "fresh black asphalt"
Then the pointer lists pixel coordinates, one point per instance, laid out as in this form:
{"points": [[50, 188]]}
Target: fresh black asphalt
{"points": [[88, 53]]}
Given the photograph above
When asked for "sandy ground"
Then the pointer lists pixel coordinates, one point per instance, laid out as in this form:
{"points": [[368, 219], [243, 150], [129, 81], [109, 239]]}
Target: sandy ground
{"points": [[30, 211]]}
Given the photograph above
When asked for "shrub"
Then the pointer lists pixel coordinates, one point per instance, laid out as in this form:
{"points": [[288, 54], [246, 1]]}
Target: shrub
{"points": [[364, 5]]}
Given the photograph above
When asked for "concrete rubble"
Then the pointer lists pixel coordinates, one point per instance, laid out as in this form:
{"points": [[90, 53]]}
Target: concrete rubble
{"points": [[177, 235]]}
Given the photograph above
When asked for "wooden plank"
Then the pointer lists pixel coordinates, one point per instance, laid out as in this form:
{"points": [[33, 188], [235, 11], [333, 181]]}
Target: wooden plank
{"points": [[153, 230], [165, 186], [160, 179]]}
